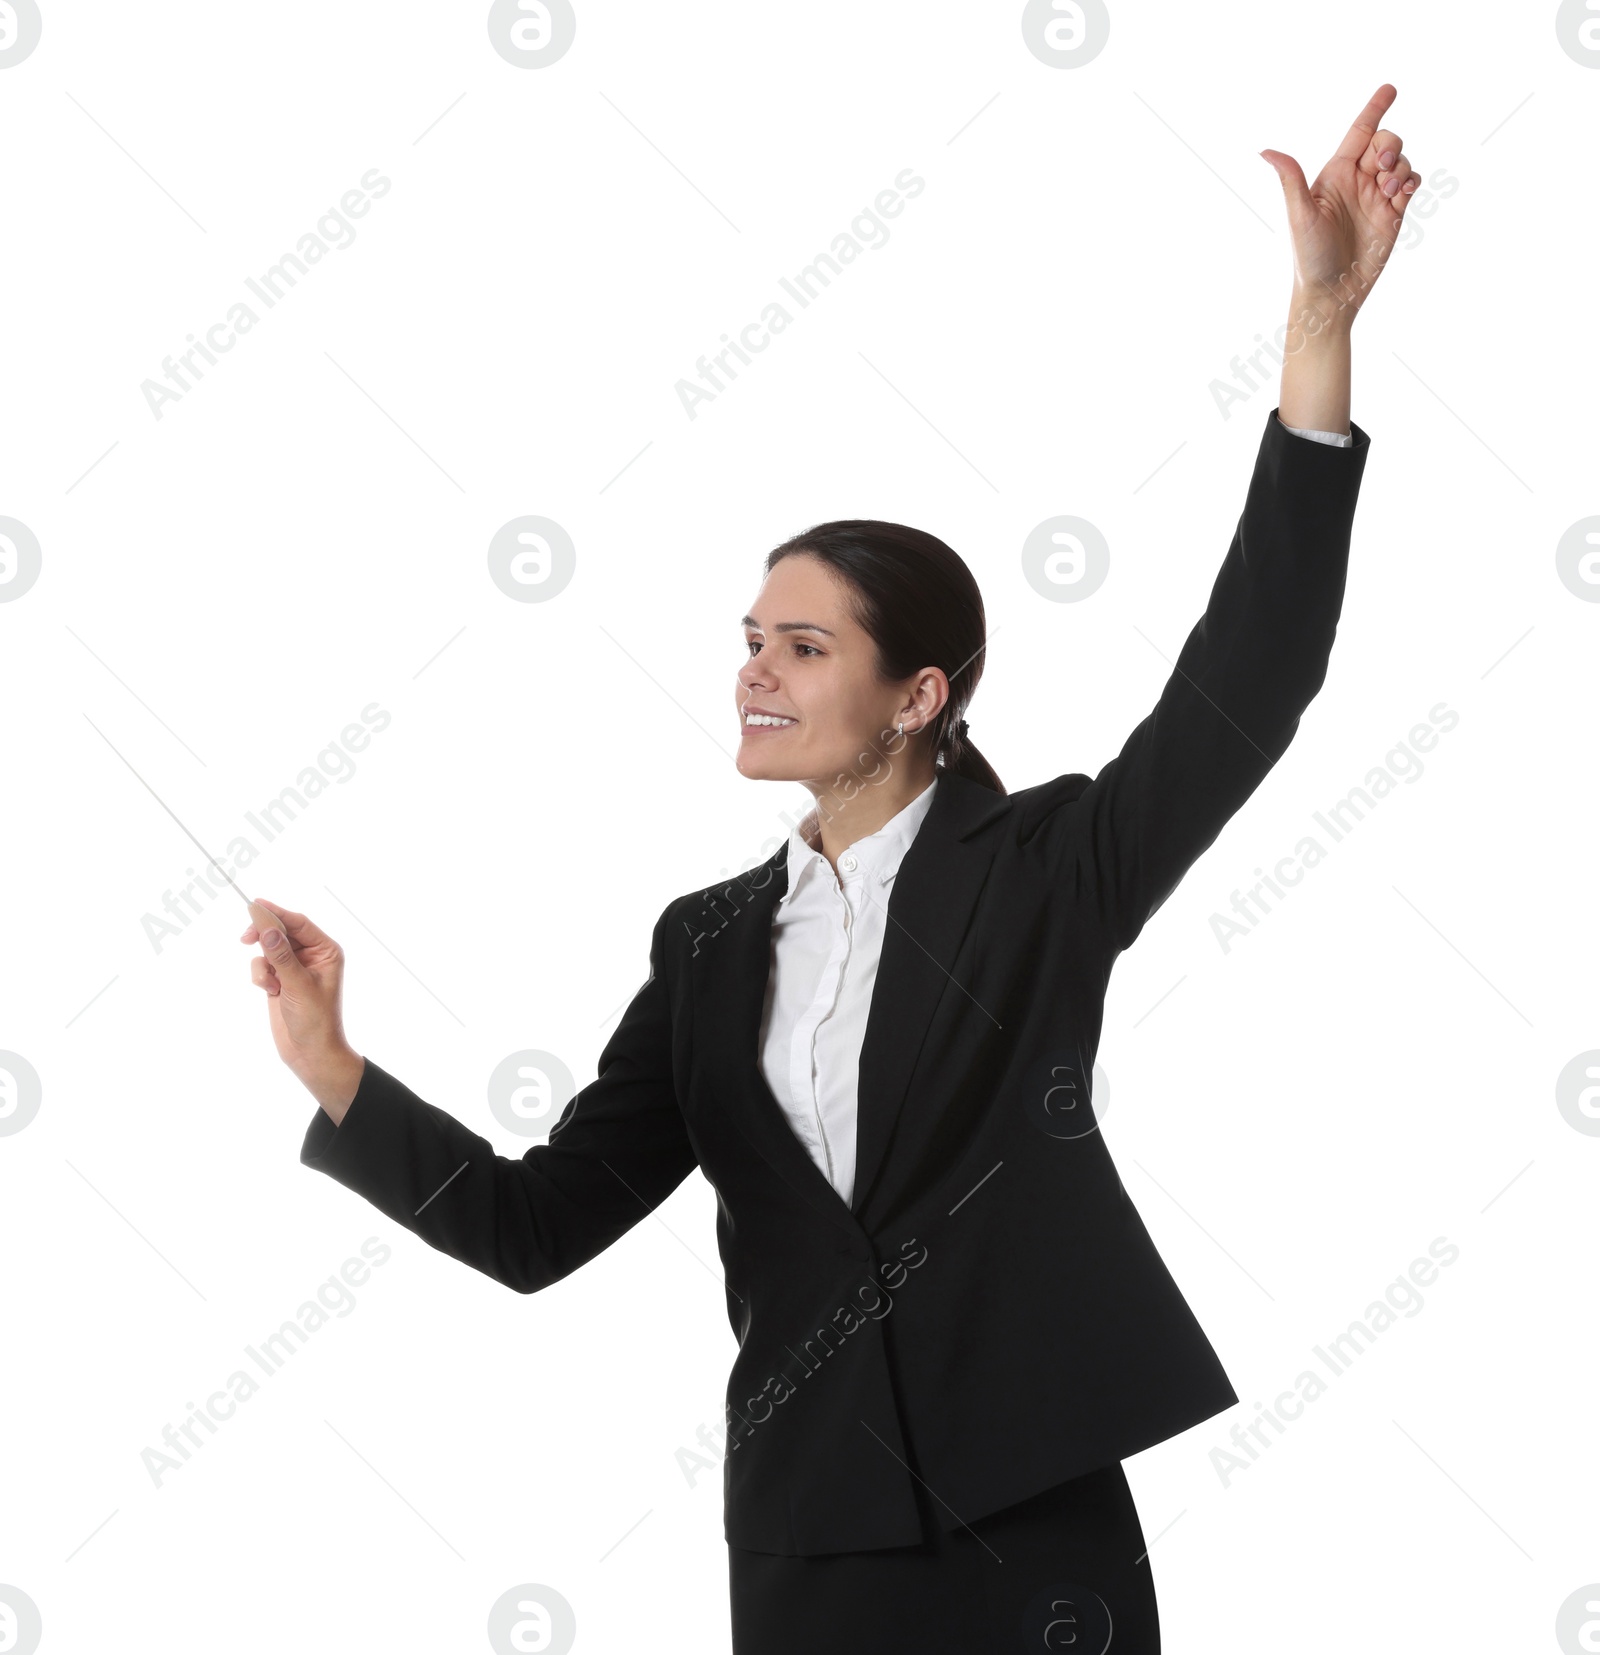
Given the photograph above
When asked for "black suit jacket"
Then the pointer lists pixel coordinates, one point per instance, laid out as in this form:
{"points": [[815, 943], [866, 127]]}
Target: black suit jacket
{"points": [[988, 1314]]}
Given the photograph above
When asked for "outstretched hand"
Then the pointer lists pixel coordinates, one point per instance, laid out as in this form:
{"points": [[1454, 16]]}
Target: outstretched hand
{"points": [[301, 969], [1346, 222]]}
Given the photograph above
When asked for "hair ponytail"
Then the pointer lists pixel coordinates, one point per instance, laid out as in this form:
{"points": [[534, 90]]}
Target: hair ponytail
{"points": [[920, 605], [959, 753]]}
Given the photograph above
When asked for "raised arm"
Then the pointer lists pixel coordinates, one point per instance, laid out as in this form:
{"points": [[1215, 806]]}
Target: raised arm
{"points": [[1258, 655], [1246, 673], [619, 1149]]}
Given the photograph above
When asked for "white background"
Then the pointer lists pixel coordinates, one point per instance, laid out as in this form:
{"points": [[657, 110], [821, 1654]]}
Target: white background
{"points": [[304, 533]]}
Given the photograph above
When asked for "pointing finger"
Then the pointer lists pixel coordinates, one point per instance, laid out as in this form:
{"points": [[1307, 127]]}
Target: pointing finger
{"points": [[1366, 124]]}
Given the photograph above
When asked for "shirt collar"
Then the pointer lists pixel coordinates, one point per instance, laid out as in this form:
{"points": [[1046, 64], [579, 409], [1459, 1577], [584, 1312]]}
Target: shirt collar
{"points": [[879, 854]]}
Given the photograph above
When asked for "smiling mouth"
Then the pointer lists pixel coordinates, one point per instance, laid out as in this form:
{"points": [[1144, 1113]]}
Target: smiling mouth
{"points": [[765, 721]]}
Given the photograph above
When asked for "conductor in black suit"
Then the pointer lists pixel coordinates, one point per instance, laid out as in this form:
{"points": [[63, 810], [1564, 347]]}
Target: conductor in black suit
{"points": [[877, 1044]]}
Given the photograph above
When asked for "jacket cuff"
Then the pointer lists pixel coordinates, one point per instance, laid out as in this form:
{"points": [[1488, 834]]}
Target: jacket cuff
{"points": [[1334, 439], [1322, 439], [329, 1148]]}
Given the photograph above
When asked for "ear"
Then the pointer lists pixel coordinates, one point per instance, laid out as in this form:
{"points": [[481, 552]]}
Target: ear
{"points": [[930, 690]]}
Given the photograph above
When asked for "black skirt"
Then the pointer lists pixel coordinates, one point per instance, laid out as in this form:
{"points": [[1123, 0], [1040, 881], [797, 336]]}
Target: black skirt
{"points": [[1065, 1569]]}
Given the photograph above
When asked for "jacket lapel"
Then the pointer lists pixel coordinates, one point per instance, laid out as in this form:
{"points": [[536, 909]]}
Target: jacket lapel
{"points": [[734, 947], [930, 908]]}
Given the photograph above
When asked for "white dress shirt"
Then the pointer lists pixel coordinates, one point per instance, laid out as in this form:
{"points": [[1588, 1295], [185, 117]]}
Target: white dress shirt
{"points": [[827, 935], [1333, 437]]}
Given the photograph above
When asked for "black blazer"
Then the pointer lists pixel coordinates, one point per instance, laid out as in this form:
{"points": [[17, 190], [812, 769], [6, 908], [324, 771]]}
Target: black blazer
{"points": [[988, 1313]]}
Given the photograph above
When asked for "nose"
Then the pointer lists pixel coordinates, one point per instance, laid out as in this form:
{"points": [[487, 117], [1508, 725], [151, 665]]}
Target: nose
{"points": [[753, 673]]}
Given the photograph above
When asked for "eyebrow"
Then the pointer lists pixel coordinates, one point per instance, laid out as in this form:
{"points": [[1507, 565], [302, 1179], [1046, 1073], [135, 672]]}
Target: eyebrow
{"points": [[787, 626]]}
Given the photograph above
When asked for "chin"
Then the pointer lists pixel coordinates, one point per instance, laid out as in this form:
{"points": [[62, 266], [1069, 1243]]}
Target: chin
{"points": [[764, 767], [775, 756]]}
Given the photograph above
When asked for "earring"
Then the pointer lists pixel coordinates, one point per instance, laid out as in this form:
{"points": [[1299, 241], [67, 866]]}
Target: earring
{"points": [[900, 728]]}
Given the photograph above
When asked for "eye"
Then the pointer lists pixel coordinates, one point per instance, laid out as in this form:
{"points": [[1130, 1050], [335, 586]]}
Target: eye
{"points": [[752, 645]]}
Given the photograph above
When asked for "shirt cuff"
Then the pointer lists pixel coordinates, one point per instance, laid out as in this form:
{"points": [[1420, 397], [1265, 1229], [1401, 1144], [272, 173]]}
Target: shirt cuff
{"points": [[1332, 437]]}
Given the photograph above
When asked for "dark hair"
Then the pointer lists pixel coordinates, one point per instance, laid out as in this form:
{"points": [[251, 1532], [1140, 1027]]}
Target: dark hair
{"points": [[920, 605]]}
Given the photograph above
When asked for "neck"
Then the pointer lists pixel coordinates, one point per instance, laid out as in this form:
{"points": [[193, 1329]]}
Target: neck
{"points": [[838, 821]]}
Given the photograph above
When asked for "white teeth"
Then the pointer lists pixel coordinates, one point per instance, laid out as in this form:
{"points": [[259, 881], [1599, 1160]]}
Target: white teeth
{"points": [[762, 718]]}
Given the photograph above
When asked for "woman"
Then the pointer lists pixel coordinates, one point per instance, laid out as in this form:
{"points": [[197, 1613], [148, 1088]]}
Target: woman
{"points": [[877, 1045]]}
